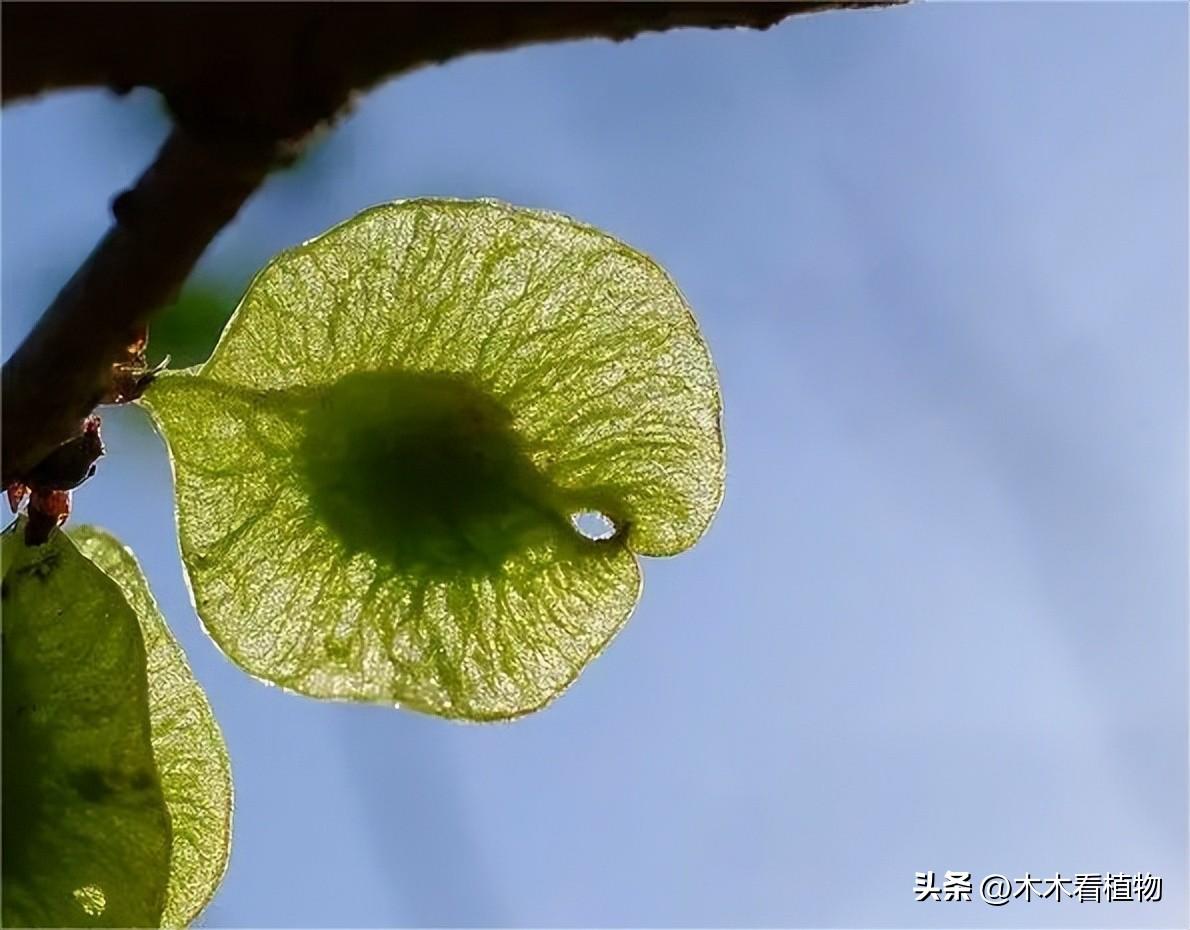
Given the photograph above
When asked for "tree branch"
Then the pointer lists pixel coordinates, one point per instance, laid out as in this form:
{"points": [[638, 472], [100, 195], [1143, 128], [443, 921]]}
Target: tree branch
{"points": [[60, 372], [246, 83], [224, 49]]}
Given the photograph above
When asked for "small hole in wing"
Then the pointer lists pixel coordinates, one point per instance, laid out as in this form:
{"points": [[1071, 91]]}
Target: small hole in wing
{"points": [[593, 525]]}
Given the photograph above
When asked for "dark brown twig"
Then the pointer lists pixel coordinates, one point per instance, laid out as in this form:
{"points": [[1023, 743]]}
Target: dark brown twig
{"points": [[65, 366]]}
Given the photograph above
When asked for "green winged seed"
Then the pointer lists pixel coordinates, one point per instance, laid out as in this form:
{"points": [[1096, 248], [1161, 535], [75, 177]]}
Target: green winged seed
{"points": [[86, 833], [380, 469], [187, 743]]}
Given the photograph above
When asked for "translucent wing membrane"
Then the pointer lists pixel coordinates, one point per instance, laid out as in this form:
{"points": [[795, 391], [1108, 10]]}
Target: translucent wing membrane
{"points": [[379, 470]]}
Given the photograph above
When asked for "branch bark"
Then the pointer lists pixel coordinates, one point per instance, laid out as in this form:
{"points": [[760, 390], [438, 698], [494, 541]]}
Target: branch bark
{"points": [[60, 372], [246, 83]]}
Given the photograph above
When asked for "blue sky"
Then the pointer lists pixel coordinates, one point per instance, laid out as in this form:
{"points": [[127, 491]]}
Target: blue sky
{"points": [[939, 254]]}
